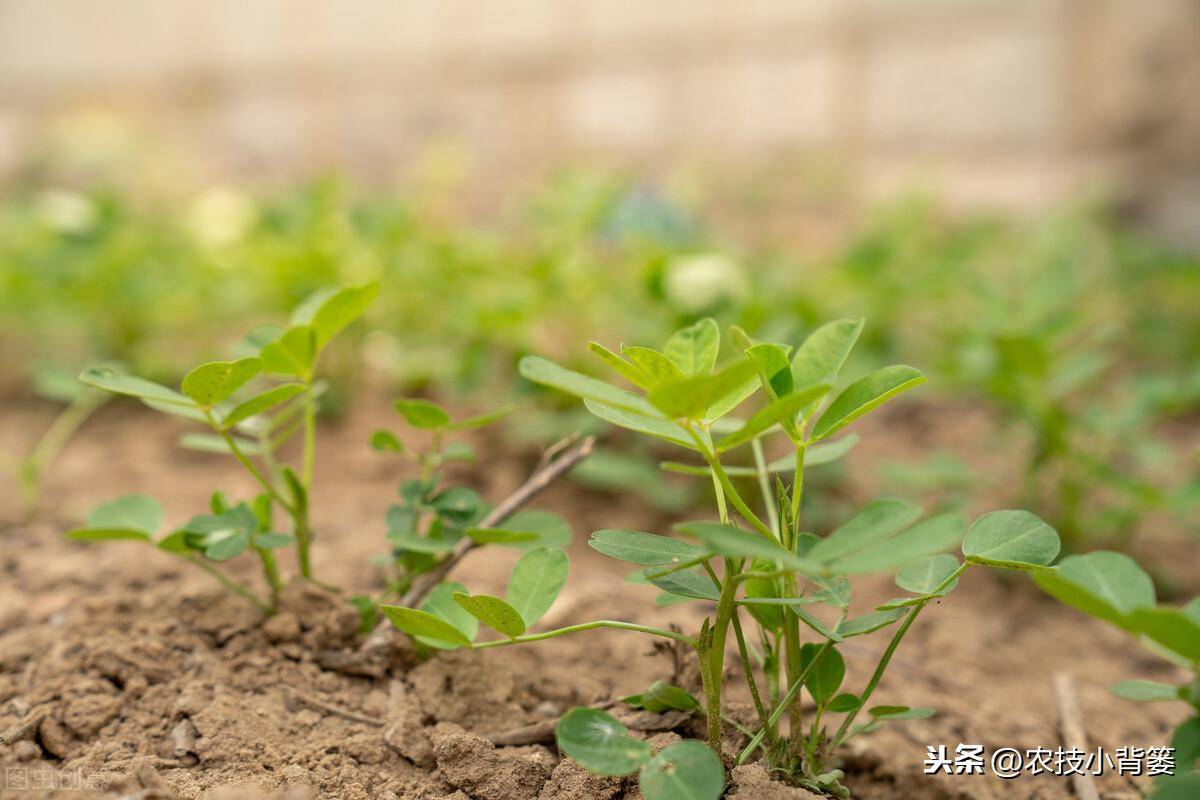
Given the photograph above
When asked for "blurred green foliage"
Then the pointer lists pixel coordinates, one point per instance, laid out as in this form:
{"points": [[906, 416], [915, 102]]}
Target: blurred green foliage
{"points": [[1082, 334]]}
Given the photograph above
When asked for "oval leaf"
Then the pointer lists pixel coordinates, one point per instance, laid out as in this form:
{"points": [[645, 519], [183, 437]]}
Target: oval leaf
{"points": [[864, 395], [1104, 584], [261, 402], [111, 380], [694, 348], [686, 770], [730, 541], [826, 674], [693, 397], [131, 512], [293, 352], [536, 581], [599, 743], [1146, 691], [925, 538], [877, 521], [779, 411], [647, 549], [925, 576], [340, 309], [547, 373], [441, 604], [820, 358], [423, 414], [1011, 540], [209, 384], [423, 624], [493, 612]]}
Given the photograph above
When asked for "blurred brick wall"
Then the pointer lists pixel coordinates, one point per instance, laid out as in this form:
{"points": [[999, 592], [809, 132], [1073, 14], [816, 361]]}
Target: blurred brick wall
{"points": [[1016, 103]]}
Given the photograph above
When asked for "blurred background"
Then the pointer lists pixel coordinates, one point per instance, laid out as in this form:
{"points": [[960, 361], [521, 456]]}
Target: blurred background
{"points": [[1008, 191]]}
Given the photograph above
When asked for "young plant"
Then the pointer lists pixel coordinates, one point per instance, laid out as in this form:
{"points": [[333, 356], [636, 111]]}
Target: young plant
{"points": [[1112, 587], [52, 384], [431, 517], [762, 562], [251, 406]]}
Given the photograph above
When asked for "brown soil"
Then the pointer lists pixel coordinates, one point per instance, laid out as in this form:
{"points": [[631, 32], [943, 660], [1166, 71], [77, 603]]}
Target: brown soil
{"points": [[142, 679]]}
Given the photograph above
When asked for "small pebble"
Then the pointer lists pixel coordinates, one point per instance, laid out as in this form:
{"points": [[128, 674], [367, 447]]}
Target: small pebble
{"points": [[26, 750]]}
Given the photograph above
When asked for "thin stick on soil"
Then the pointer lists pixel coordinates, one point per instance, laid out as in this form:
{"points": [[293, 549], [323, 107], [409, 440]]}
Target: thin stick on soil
{"points": [[1070, 723], [330, 708], [549, 470]]}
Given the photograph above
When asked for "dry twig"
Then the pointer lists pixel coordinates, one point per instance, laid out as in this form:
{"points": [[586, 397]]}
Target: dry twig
{"points": [[1070, 723], [330, 708]]}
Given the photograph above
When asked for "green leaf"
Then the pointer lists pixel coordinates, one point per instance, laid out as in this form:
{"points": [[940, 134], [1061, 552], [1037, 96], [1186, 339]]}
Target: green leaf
{"points": [[416, 543], [261, 402], [501, 536], [212, 443], [599, 743], [927, 537], [174, 543], [1184, 786], [825, 676], [1147, 691], [422, 624], [384, 441], [686, 770], [440, 604], [423, 414], [693, 397], [900, 712], [493, 612], [694, 348], [864, 395], [730, 541], [294, 352], [1173, 628], [536, 581], [878, 521], [458, 505], [131, 512], [627, 371], [1012, 540], [647, 549], [341, 308], [778, 411], [481, 420], [655, 366], [270, 540], [662, 696], [869, 623], [108, 534], [684, 583], [547, 373], [817, 625], [551, 529], [1103, 584], [773, 368], [209, 384], [820, 358], [923, 577], [844, 703], [654, 426], [110, 380]]}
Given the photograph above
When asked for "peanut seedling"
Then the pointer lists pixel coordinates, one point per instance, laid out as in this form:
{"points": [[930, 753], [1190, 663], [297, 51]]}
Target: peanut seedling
{"points": [[251, 407], [761, 562]]}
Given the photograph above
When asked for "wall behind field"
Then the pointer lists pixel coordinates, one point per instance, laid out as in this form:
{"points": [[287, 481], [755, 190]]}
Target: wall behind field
{"points": [[1011, 103]]}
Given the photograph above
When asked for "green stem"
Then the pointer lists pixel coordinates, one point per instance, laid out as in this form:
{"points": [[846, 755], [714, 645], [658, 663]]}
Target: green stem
{"points": [[797, 493], [271, 572], [43, 454], [784, 705], [229, 583], [790, 589], [587, 626], [764, 486], [727, 486], [245, 461], [750, 680], [716, 653], [876, 676], [310, 439]]}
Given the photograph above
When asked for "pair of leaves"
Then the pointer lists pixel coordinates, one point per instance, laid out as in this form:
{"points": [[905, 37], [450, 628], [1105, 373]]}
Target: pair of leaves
{"points": [[131, 517], [882, 536], [597, 741], [661, 696], [314, 323], [535, 583]]}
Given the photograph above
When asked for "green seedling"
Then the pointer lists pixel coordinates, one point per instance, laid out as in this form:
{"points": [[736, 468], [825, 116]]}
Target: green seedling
{"points": [[1112, 587], [793, 585], [80, 402], [432, 517], [251, 407]]}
